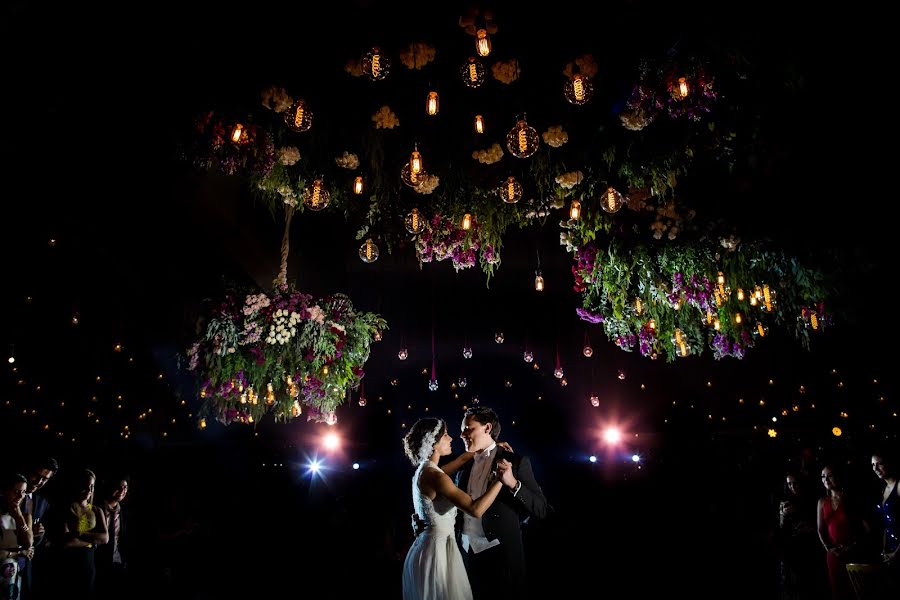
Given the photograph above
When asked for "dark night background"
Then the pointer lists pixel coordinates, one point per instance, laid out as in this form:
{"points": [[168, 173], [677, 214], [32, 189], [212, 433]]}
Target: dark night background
{"points": [[95, 103]]}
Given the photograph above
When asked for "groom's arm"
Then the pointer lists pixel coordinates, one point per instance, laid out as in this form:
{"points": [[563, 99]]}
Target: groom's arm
{"points": [[529, 494]]}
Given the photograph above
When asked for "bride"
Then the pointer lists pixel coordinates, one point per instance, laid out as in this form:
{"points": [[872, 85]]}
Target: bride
{"points": [[434, 568]]}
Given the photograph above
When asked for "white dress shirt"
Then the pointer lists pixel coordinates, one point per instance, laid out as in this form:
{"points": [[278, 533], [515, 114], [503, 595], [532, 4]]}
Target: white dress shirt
{"points": [[28, 504], [473, 531]]}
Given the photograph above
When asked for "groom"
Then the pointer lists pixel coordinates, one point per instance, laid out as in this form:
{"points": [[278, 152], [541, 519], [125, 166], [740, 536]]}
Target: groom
{"points": [[492, 545]]}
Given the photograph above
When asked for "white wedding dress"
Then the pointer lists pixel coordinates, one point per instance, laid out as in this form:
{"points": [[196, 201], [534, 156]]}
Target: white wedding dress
{"points": [[434, 568]]}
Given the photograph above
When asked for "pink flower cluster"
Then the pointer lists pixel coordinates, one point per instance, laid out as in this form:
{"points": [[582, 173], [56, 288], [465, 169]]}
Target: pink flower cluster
{"points": [[443, 239]]}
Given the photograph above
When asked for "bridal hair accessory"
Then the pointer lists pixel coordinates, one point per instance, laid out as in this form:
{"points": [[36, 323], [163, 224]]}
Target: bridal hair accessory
{"points": [[426, 449]]}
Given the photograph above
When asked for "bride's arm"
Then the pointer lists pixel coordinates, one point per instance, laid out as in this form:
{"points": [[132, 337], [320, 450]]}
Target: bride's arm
{"points": [[454, 465], [444, 486]]}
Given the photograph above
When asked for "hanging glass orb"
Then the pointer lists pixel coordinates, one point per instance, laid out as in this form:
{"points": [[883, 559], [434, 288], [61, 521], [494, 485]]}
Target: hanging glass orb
{"points": [[579, 90], [467, 352], [463, 382], [563, 382], [528, 356], [475, 400], [479, 124], [498, 337], [507, 383], [432, 103], [595, 401], [395, 382], [376, 336], [621, 374], [472, 72], [362, 401], [413, 173], [587, 351], [375, 65], [298, 117], [538, 281], [522, 140], [331, 418], [760, 330], [368, 252], [403, 354], [316, 197], [414, 222], [511, 190], [482, 42], [358, 185], [612, 200], [558, 372], [433, 385]]}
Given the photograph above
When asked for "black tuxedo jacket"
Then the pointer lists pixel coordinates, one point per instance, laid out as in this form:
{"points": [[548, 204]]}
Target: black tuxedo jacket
{"points": [[503, 519]]}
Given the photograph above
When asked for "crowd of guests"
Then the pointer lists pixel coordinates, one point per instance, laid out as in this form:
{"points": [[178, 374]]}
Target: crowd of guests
{"points": [[73, 549], [845, 522]]}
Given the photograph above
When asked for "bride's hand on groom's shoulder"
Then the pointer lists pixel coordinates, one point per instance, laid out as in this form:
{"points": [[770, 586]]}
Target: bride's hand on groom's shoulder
{"points": [[506, 446]]}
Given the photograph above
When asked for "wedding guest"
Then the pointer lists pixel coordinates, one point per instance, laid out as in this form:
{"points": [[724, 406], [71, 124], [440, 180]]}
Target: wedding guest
{"points": [[84, 529], [842, 531], [36, 505], [15, 534], [111, 557], [885, 468], [797, 536]]}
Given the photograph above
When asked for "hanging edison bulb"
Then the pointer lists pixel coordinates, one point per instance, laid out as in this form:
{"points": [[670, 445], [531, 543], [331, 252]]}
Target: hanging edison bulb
{"points": [[740, 294], [377, 335], [575, 211], [681, 88], [612, 200], [368, 252], [522, 140], [432, 105], [466, 222], [511, 190], [753, 300], [761, 330], [638, 306], [813, 320], [467, 352], [538, 281], [768, 297], [296, 409], [238, 134], [528, 356], [414, 222], [737, 318], [558, 372], [316, 197], [298, 117], [482, 42], [362, 400], [472, 72], [403, 354], [595, 400], [498, 337], [375, 65], [270, 394], [587, 351], [579, 89], [413, 172], [358, 185], [479, 124], [651, 324]]}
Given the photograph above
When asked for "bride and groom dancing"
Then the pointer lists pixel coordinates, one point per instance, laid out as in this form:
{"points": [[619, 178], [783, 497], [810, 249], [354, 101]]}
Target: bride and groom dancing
{"points": [[495, 490]]}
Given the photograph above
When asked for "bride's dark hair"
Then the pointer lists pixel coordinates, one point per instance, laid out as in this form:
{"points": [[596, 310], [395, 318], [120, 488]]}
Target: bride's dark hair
{"points": [[425, 431]]}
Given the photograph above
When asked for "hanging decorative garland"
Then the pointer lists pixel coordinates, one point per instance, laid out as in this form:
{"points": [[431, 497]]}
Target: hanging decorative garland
{"points": [[281, 352]]}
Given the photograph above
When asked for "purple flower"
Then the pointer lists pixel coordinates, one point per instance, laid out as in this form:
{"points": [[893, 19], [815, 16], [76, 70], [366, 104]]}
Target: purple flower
{"points": [[590, 317]]}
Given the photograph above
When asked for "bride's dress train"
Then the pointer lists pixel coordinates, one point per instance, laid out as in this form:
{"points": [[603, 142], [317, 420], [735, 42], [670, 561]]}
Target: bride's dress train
{"points": [[434, 568]]}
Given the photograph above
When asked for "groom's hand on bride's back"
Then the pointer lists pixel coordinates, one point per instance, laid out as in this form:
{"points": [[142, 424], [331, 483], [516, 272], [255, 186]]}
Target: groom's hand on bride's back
{"points": [[418, 525]]}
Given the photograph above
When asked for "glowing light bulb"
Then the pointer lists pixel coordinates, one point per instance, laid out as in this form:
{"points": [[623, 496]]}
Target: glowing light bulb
{"points": [[814, 321], [737, 317], [479, 124], [415, 162], [638, 306], [467, 222], [612, 200], [683, 88], [575, 210], [237, 133], [523, 140], [482, 42], [431, 104], [538, 281], [368, 252], [740, 294], [760, 329], [358, 185]]}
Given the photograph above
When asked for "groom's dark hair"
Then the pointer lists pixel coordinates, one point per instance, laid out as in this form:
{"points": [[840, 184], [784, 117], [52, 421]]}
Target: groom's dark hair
{"points": [[485, 415]]}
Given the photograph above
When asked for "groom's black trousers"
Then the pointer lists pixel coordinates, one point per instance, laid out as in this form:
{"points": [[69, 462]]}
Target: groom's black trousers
{"points": [[490, 575]]}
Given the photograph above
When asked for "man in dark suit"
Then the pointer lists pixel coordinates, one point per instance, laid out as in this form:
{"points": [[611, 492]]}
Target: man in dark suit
{"points": [[492, 545], [34, 504]]}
